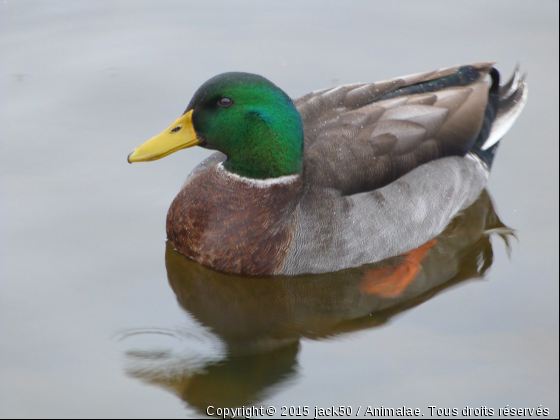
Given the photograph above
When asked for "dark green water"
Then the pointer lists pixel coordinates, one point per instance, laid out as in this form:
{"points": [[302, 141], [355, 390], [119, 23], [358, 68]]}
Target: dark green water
{"points": [[98, 318]]}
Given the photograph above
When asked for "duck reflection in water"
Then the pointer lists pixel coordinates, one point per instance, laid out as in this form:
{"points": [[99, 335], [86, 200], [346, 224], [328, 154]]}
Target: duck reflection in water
{"points": [[260, 321]]}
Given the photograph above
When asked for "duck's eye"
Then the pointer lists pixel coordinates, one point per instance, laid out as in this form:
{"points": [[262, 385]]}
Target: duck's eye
{"points": [[225, 102]]}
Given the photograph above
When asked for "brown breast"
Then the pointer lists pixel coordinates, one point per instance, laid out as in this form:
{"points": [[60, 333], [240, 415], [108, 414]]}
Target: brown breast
{"points": [[233, 225]]}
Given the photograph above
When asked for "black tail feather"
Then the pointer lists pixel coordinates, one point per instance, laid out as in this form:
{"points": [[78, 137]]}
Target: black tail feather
{"points": [[488, 155]]}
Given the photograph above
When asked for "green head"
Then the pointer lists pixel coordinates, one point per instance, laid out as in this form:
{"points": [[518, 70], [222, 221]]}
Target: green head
{"points": [[246, 117], [252, 121]]}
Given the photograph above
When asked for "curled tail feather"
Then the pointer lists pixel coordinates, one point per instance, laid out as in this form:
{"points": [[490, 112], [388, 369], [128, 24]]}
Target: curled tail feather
{"points": [[505, 103]]}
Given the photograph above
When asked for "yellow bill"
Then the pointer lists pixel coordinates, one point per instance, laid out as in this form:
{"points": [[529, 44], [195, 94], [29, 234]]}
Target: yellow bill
{"points": [[179, 135]]}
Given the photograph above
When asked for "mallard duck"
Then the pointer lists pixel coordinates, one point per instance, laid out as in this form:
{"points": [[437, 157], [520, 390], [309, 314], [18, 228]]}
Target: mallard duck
{"points": [[338, 178]]}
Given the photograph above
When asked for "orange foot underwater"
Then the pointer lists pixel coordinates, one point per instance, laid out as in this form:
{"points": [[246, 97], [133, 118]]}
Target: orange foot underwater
{"points": [[391, 281]]}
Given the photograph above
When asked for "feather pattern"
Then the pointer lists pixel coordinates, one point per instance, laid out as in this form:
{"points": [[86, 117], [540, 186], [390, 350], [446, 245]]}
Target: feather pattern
{"points": [[391, 168]]}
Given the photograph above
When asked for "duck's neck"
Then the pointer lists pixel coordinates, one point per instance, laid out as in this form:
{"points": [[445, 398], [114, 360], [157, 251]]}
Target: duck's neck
{"points": [[261, 182], [273, 148]]}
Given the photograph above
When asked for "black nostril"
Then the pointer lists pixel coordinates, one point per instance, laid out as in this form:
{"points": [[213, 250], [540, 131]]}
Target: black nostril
{"points": [[176, 129]]}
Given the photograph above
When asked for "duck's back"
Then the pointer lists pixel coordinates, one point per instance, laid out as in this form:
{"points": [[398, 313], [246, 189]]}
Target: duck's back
{"points": [[363, 136]]}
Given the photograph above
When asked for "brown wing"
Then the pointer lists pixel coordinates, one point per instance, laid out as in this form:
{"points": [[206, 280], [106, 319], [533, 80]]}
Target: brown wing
{"points": [[361, 137]]}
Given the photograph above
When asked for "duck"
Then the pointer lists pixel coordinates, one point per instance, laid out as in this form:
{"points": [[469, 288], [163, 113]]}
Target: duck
{"points": [[338, 178]]}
